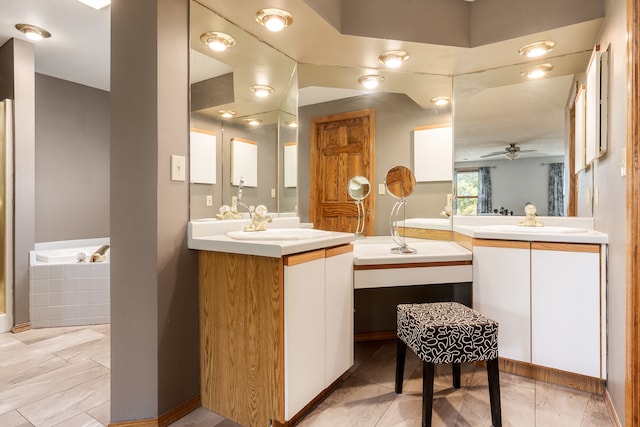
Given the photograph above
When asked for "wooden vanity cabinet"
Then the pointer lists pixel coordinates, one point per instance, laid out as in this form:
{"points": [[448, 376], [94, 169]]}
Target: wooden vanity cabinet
{"points": [[549, 301], [274, 332]]}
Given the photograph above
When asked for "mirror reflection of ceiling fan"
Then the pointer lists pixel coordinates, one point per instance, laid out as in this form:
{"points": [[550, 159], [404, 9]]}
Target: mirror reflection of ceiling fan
{"points": [[512, 152]]}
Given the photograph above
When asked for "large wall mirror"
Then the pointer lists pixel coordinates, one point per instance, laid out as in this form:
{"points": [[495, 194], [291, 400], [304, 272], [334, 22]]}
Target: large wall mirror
{"points": [[494, 108]]}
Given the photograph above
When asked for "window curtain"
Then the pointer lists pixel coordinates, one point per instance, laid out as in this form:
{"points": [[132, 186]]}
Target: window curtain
{"points": [[484, 190], [556, 189]]}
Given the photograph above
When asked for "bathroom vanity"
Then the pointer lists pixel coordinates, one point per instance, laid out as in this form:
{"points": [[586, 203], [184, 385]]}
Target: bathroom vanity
{"points": [[546, 287], [276, 319]]}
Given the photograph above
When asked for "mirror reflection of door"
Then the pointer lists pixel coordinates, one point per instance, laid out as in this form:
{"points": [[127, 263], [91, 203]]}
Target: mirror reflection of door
{"points": [[342, 146]]}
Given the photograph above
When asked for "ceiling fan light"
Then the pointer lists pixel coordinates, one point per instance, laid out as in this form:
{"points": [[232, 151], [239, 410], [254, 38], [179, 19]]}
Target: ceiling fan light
{"points": [[274, 19], [512, 155], [537, 49]]}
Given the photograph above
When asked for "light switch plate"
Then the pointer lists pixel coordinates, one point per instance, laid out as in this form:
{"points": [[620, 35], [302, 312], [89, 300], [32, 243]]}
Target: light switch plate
{"points": [[209, 200], [381, 189], [178, 168]]}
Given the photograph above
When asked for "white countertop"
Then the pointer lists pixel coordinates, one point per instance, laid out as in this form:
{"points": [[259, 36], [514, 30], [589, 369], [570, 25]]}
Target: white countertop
{"points": [[377, 250], [535, 234], [211, 236]]}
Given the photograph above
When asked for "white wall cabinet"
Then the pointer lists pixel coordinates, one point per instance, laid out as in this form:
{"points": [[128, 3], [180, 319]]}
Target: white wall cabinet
{"points": [[318, 323], [548, 300], [501, 291]]}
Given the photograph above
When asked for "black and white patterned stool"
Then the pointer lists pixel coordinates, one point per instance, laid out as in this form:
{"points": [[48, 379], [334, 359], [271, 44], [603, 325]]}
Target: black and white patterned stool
{"points": [[447, 332]]}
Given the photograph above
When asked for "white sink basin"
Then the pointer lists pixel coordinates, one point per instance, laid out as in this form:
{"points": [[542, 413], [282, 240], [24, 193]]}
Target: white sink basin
{"points": [[279, 234], [537, 230]]}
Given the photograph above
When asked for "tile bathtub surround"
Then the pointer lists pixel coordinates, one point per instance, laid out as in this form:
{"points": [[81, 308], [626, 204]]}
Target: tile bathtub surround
{"points": [[69, 294], [61, 377]]}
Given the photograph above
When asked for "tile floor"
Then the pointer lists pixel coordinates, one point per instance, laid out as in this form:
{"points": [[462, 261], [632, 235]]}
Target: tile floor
{"points": [[60, 377]]}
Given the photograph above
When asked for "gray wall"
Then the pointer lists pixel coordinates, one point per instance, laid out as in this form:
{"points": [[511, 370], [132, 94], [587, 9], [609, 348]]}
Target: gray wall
{"points": [[154, 291], [72, 159], [396, 117], [17, 81], [610, 212]]}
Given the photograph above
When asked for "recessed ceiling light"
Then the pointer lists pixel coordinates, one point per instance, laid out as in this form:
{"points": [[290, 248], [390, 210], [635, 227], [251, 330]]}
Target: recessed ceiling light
{"points": [[371, 81], [253, 122], [217, 41], [537, 49], [274, 19], [96, 4], [32, 32], [536, 72], [261, 91], [292, 124], [393, 58], [441, 100], [227, 114]]}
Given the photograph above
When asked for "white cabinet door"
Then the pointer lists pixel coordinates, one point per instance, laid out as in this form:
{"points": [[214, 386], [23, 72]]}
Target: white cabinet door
{"points": [[339, 313], [565, 307], [304, 330], [501, 291]]}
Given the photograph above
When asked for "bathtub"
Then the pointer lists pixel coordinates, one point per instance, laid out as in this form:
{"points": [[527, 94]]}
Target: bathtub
{"points": [[65, 292]]}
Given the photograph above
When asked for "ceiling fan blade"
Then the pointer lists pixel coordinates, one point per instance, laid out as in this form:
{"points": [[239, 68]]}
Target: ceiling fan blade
{"points": [[495, 153]]}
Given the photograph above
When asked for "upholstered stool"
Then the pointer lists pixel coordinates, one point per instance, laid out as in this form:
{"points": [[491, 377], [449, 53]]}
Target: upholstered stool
{"points": [[447, 332]]}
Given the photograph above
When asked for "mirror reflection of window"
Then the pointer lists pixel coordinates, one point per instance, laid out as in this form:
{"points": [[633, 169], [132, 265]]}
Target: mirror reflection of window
{"points": [[466, 202]]}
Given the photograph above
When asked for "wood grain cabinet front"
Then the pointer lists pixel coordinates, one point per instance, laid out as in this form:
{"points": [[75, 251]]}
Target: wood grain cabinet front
{"points": [[275, 333]]}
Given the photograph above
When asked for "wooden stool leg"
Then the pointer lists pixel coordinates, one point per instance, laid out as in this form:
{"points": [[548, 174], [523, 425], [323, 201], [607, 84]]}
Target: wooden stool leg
{"points": [[455, 368], [428, 371], [493, 374], [400, 356]]}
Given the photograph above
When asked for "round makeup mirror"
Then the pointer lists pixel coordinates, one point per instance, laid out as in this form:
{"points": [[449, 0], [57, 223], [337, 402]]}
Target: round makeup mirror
{"points": [[359, 188], [400, 183]]}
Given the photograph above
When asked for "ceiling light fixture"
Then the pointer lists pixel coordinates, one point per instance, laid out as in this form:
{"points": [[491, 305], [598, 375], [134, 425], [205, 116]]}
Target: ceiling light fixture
{"points": [[441, 100], [537, 49], [292, 124], [96, 4], [274, 19], [253, 122], [32, 32], [393, 58], [512, 155], [537, 71], [371, 81], [227, 114], [261, 91], [217, 41]]}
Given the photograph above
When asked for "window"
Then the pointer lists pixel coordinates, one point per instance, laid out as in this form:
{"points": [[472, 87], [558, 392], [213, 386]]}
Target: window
{"points": [[467, 192]]}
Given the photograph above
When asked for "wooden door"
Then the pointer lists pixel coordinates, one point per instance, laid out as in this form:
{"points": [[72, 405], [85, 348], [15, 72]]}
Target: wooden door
{"points": [[342, 146]]}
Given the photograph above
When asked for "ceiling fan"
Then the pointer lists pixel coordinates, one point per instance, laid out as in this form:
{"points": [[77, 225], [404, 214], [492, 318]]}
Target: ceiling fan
{"points": [[512, 152]]}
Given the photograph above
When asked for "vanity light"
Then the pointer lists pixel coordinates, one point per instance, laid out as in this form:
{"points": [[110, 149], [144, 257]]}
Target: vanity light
{"points": [[537, 49], [292, 124], [253, 122], [227, 114], [536, 72], [32, 32], [274, 19], [217, 41], [393, 58], [370, 81], [441, 100], [261, 91]]}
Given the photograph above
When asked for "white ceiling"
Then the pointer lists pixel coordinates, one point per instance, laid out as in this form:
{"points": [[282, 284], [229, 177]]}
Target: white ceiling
{"points": [[329, 62]]}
